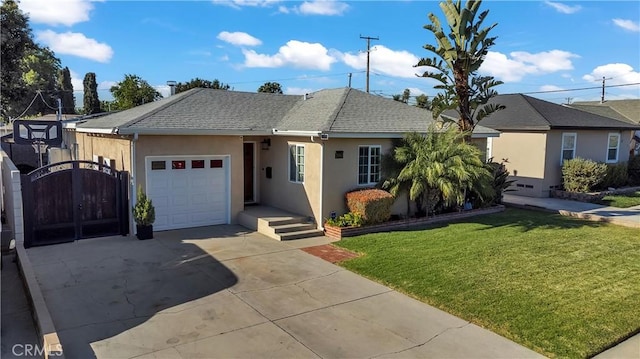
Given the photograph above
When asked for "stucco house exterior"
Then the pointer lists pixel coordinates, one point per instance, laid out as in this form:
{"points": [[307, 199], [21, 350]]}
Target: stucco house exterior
{"points": [[624, 110], [536, 136], [203, 154]]}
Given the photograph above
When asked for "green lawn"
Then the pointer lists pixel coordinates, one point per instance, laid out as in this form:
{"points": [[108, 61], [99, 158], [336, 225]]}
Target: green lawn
{"points": [[622, 201], [563, 287]]}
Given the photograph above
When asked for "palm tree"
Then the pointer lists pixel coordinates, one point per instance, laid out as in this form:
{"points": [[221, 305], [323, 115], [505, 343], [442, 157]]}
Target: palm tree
{"points": [[457, 63], [438, 165]]}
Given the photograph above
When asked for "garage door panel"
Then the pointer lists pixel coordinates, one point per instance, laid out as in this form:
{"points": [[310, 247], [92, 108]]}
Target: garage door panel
{"points": [[189, 197]]}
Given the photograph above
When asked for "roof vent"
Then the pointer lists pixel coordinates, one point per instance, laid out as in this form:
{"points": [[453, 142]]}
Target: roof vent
{"points": [[172, 87]]}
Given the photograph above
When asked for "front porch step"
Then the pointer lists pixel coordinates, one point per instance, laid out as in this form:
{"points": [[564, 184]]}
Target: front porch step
{"points": [[278, 224], [300, 234], [293, 227]]}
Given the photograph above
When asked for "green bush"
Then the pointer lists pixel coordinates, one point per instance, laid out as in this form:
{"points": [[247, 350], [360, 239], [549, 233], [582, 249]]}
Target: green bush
{"points": [[617, 176], [346, 220], [373, 205], [582, 175], [144, 213], [633, 168]]}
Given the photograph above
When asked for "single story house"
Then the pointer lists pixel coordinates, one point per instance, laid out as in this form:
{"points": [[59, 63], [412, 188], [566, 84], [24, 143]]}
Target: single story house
{"points": [[537, 136], [201, 155], [624, 110]]}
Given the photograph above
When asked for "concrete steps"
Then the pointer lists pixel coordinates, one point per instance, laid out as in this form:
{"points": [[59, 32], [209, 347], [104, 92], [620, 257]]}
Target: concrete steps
{"points": [[278, 224]]}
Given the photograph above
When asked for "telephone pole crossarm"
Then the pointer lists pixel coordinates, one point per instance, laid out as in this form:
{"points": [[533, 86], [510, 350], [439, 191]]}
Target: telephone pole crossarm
{"points": [[368, 38]]}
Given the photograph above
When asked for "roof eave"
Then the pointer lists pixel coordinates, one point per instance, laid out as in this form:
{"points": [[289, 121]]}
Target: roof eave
{"points": [[193, 132]]}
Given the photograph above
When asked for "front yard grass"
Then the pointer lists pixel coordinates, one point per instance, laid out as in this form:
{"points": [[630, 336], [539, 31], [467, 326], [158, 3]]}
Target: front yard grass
{"points": [[622, 200], [563, 287]]}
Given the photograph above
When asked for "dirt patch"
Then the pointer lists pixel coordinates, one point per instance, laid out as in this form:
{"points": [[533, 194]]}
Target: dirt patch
{"points": [[331, 253]]}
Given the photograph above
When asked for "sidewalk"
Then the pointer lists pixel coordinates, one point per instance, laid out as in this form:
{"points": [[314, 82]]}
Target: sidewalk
{"points": [[17, 326], [628, 217]]}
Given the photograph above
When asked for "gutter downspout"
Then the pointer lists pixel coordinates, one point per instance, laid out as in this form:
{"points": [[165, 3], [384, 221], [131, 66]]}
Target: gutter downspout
{"points": [[133, 195], [320, 223]]}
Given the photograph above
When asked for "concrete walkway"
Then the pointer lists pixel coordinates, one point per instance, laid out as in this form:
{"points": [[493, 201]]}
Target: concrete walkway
{"points": [[18, 333], [223, 292], [628, 217]]}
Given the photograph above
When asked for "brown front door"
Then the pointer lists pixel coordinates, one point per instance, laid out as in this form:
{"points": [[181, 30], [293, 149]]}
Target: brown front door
{"points": [[248, 171]]}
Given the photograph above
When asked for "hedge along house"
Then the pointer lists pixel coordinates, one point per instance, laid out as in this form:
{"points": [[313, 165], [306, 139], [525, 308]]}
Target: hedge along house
{"points": [[536, 136], [203, 154]]}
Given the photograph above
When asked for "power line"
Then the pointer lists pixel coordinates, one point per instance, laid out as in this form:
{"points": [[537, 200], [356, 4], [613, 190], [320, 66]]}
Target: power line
{"points": [[293, 78], [580, 89]]}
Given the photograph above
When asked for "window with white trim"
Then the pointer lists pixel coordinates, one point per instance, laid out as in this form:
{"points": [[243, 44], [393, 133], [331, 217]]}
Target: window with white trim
{"points": [[568, 147], [296, 163], [613, 146], [368, 165]]}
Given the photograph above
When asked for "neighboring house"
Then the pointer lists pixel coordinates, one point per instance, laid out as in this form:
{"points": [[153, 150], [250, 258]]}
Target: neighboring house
{"points": [[203, 154], [624, 110], [536, 136]]}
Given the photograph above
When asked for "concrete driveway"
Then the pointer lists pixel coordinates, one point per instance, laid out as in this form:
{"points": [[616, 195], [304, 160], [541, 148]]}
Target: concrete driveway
{"points": [[223, 292]]}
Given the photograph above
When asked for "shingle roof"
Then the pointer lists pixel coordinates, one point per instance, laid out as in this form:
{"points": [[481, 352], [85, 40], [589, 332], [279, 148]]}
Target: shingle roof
{"points": [[343, 110], [530, 114], [628, 109]]}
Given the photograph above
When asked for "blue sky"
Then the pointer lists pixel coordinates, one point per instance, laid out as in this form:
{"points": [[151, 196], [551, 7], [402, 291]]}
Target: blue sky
{"points": [[310, 45]]}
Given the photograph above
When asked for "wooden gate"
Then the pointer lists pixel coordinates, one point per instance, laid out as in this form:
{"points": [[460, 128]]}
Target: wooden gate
{"points": [[72, 200]]}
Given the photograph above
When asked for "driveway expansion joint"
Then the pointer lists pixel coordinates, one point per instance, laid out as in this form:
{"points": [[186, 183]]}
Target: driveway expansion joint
{"points": [[424, 343]]}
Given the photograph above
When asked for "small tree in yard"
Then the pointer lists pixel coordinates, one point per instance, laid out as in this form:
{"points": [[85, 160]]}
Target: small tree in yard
{"points": [[439, 166], [459, 55]]}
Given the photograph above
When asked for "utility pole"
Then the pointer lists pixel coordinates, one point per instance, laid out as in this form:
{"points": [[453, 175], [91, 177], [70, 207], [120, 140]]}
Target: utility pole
{"points": [[368, 38], [602, 98], [350, 74]]}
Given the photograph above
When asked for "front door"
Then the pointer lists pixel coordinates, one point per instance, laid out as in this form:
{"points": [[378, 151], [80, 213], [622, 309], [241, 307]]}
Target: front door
{"points": [[249, 171]]}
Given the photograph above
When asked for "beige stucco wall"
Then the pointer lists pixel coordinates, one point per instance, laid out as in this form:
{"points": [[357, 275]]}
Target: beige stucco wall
{"points": [[113, 147], [592, 145], [196, 145], [341, 174], [525, 155], [278, 191]]}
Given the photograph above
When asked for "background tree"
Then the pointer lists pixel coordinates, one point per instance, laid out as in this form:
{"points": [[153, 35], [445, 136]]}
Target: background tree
{"points": [[423, 101], [200, 83], [66, 91], [404, 98], [457, 63], [270, 87], [91, 103], [40, 69], [133, 91], [16, 38]]}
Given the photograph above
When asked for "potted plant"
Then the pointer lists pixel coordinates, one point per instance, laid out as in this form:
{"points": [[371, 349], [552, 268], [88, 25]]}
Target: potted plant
{"points": [[144, 215]]}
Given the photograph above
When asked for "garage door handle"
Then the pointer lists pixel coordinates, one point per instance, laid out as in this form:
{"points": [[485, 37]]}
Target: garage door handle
{"points": [[80, 206]]}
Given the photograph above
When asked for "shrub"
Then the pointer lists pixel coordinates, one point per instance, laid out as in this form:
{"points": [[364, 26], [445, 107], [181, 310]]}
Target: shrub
{"points": [[617, 176], [346, 220], [373, 205], [633, 168], [581, 175], [144, 213]]}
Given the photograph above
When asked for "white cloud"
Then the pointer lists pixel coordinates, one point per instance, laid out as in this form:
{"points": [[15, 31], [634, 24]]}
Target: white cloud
{"points": [[416, 91], [322, 7], [295, 53], [59, 12], [385, 61], [562, 8], [550, 88], [106, 85], [237, 4], [73, 43], [627, 24], [616, 74], [76, 81], [522, 63], [164, 90], [239, 38], [297, 90]]}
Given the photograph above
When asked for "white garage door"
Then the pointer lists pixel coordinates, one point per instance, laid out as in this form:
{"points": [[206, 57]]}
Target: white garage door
{"points": [[188, 191]]}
